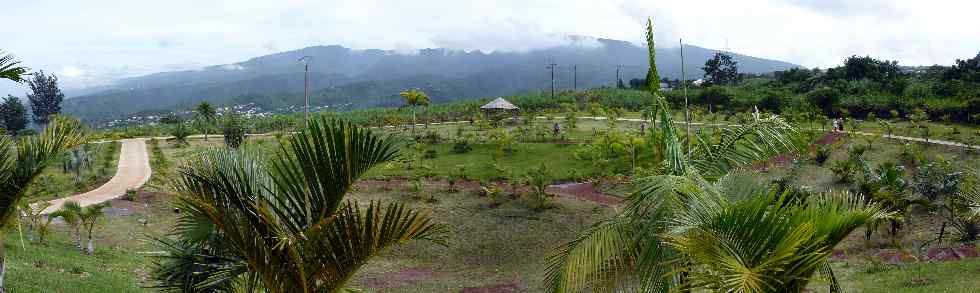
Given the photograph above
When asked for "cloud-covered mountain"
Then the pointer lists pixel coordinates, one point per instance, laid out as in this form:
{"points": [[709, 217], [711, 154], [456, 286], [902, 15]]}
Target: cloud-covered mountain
{"points": [[365, 78]]}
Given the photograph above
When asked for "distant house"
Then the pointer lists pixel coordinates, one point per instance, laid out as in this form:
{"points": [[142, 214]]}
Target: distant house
{"points": [[698, 82], [665, 87]]}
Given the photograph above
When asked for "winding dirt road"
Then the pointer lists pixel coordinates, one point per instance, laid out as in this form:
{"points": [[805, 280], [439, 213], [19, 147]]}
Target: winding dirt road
{"points": [[132, 172]]}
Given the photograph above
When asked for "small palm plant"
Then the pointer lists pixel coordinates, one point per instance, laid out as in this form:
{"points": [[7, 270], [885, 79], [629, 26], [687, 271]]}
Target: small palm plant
{"points": [[414, 98], [284, 225], [36, 221], [89, 217], [69, 213], [76, 161], [689, 226]]}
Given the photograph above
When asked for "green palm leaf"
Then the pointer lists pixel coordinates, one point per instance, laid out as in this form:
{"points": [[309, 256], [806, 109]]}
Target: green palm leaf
{"points": [[10, 68], [284, 226]]}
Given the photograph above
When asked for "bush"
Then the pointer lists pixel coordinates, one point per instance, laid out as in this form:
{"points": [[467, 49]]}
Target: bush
{"points": [[233, 130], [430, 154], [130, 195], [821, 154], [538, 178], [937, 179]]}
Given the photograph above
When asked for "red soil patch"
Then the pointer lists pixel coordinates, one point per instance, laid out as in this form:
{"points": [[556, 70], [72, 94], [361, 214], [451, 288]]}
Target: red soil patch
{"points": [[782, 159], [498, 288], [583, 191], [122, 207]]}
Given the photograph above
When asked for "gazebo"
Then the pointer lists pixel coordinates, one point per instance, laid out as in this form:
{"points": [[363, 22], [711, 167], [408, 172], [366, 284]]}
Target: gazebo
{"points": [[493, 109]]}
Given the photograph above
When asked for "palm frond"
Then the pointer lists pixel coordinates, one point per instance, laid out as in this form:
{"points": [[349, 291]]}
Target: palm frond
{"points": [[21, 161], [595, 259], [316, 168], [10, 68], [759, 140], [340, 244], [283, 226]]}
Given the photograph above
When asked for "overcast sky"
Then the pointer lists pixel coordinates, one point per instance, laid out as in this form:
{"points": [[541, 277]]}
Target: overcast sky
{"points": [[92, 42]]}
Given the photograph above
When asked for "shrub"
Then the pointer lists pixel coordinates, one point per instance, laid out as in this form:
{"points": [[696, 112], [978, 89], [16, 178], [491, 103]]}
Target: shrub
{"points": [[937, 179], [538, 178], [430, 154], [233, 130], [130, 195], [821, 154]]}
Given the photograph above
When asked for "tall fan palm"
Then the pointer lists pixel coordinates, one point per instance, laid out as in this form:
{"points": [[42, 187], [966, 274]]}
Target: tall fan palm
{"points": [[206, 115], [285, 226], [414, 98], [22, 160], [11, 69], [692, 226]]}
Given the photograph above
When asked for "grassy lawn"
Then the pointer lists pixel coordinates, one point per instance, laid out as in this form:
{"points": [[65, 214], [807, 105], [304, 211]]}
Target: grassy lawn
{"points": [[952, 276], [54, 182]]}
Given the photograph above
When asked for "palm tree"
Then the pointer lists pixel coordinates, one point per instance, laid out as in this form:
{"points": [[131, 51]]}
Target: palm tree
{"points": [[78, 160], [414, 98], [89, 216], [207, 115], [694, 225], [35, 219], [10, 69], [22, 160], [283, 225], [69, 212]]}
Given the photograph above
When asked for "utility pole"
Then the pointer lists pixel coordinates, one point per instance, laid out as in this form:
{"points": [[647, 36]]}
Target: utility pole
{"points": [[306, 86], [552, 66], [575, 77], [617, 75], [687, 111]]}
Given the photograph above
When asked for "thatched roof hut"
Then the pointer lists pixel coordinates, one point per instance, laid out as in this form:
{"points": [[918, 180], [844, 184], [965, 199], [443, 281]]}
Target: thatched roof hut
{"points": [[499, 104]]}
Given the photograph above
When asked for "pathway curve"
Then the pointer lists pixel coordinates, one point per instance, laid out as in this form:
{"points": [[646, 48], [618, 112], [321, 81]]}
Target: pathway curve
{"points": [[132, 172]]}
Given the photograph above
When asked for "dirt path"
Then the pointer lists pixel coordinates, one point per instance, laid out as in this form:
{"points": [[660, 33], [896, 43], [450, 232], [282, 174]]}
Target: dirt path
{"points": [[132, 172]]}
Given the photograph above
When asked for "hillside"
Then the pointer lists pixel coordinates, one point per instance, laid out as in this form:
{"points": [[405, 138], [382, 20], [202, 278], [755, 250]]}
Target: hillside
{"points": [[374, 77]]}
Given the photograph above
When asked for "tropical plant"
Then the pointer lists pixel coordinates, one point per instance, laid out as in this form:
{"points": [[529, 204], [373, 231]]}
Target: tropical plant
{"points": [[69, 213], [10, 68], [690, 227], [77, 160], [284, 226], [414, 98], [89, 216], [36, 221], [180, 134], [936, 179], [22, 160], [538, 179], [206, 115], [234, 130]]}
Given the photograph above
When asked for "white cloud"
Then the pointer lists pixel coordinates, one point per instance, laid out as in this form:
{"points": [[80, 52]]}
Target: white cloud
{"points": [[71, 72], [116, 39]]}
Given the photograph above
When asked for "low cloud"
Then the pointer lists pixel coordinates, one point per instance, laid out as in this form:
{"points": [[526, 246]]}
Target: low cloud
{"points": [[119, 39]]}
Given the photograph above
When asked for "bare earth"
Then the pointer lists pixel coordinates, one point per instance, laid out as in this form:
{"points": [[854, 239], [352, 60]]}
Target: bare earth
{"points": [[131, 173]]}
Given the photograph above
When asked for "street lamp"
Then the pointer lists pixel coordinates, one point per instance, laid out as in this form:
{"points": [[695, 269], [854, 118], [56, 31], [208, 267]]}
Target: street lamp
{"points": [[306, 85]]}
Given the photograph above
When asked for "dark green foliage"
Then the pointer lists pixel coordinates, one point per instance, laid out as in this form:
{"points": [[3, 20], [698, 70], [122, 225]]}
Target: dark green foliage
{"points": [[821, 154], [715, 95], [45, 96], [234, 130], [13, 115], [826, 99], [720, 69], [937, 180]]}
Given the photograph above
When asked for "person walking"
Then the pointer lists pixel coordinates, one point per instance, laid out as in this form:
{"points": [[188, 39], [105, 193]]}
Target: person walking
{"points": [[557, 129]]}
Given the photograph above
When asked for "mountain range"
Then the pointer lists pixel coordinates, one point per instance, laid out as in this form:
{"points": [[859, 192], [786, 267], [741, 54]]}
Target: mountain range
{"points": [[351, 78]]}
